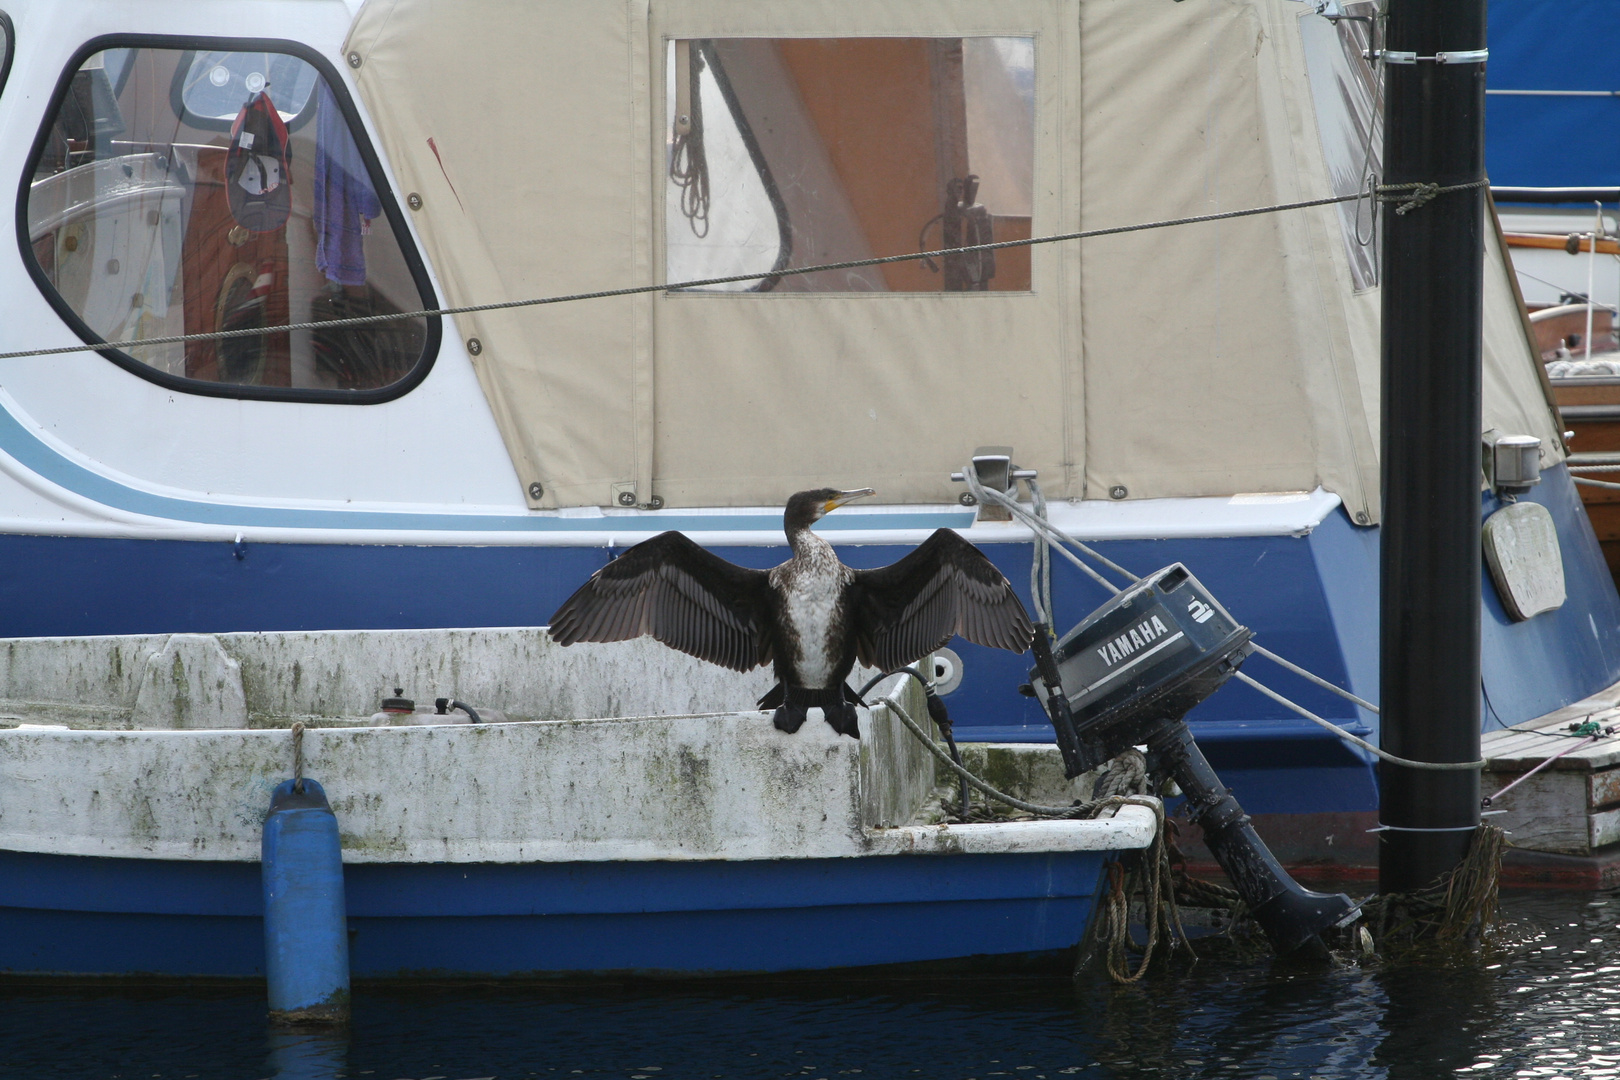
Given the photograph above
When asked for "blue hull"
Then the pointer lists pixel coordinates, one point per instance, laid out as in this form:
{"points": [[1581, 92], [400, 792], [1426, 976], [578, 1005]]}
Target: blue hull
{"points": [[1311, 598], [78, 916]]}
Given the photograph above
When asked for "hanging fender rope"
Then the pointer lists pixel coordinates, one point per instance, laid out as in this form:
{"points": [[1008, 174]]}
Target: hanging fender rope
{"points": [[298, 755], [1418, 195]]}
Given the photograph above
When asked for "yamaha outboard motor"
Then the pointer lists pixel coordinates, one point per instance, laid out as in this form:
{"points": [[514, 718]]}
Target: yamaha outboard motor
{"points": [[1127, 676]]}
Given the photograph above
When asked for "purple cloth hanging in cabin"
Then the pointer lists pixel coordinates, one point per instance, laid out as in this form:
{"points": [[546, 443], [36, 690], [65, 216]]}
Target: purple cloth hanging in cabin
{"points": [[345, 202]]}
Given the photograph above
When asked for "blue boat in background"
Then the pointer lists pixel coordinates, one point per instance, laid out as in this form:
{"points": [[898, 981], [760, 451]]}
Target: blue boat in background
{"points": [[1552, 118], [1552, 95]]}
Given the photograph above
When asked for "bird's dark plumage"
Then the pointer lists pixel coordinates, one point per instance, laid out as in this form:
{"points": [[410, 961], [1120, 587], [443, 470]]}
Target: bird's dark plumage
{"points": [[946, 587], [811, 617], [679, 593]]}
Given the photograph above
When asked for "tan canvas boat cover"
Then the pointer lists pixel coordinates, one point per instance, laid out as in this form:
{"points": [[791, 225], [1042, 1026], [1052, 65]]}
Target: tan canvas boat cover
{"points": [[1203, 360]]}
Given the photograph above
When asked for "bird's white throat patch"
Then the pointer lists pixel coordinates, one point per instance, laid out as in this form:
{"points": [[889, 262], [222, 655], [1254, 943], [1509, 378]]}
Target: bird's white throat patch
{"points": [[812, 587]]}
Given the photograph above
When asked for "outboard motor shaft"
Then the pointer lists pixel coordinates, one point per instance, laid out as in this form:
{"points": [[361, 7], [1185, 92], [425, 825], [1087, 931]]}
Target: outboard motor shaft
{"points": [[1127, 676]]}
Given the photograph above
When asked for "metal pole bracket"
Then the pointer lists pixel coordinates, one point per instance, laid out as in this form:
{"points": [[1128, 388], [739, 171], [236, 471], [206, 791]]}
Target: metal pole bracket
{"points": [[1459, 56]]}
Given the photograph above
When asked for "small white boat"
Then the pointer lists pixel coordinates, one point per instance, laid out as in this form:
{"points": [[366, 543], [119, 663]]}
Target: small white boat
{"points": [[618, 817]]}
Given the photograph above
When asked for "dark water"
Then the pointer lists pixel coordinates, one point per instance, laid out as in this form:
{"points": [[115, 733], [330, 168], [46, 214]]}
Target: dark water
{"points": [[1544, 1001]]}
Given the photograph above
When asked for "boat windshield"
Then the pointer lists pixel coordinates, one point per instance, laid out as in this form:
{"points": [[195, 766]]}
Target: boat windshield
{"points": [[215, 85], [5, 49], [793, 152], [181, 192]]}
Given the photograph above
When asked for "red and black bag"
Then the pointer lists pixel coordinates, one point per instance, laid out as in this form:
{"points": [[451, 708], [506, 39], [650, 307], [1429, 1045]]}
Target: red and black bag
{"points": [[258, 167]]}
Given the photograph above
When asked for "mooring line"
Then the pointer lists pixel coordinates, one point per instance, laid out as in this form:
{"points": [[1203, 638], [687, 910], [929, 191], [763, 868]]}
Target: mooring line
{"points": [[1053, 535], [1410, 196]]}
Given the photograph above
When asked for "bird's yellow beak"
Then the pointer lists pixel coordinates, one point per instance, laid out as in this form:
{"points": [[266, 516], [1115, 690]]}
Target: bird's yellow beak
{"points": [[847, 496]]}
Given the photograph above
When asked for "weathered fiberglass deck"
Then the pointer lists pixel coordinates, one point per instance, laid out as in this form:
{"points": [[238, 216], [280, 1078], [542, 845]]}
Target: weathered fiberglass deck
{"points": [[634, 842]]}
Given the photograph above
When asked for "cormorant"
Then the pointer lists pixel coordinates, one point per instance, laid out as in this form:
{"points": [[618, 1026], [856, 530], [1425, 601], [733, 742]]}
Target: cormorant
{"points": [[811, 617]]}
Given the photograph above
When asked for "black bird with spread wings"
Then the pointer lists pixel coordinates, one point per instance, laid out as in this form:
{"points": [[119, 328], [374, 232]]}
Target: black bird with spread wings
{"points": [[811, 617]]}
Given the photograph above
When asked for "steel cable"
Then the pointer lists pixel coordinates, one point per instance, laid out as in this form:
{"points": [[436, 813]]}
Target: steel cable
{"points": [[1055, 537], [1421, 193]]}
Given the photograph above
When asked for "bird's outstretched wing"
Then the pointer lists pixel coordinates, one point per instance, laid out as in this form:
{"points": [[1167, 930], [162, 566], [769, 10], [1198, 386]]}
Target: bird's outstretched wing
{"points": [[686, 597], [906, 610]]}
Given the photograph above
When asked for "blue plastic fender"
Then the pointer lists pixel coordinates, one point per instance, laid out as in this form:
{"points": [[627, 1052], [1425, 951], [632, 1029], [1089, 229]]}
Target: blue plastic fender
{"points": [[306, 940]]}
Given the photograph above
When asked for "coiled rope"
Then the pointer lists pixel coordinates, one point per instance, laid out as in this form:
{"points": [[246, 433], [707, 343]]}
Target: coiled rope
{"points": [[1126, 775], [1409, 196]]}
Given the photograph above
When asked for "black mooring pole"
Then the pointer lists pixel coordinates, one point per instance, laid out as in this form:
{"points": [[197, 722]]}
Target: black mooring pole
{"points": [[1434, 132]]}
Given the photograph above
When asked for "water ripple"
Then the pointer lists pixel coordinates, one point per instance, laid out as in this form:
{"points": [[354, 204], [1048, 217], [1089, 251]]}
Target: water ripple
{"points": [[1542, 1001]]}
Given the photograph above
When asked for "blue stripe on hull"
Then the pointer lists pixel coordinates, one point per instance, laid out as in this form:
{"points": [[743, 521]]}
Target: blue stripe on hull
{"points": [[716, 942], [68, 586], [103, 943], [1313, 599], [68, 915]]}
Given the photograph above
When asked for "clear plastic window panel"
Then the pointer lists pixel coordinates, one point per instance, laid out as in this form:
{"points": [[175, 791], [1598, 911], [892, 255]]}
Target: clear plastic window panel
{"points": [[1345, 92], [186, 192], [5, 50], [216, 84], [789, 153]]}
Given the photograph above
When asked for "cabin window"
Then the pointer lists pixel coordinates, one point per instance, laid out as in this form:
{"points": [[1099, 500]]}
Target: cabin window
{"points": [[185, 191], [5, 49], [793, 152], [1349, 119]]}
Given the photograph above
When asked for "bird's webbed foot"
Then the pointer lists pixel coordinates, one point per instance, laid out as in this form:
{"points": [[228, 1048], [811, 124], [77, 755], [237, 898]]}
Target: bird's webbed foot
{"points": [[797, 701], [789, 718], [844, 719]]}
